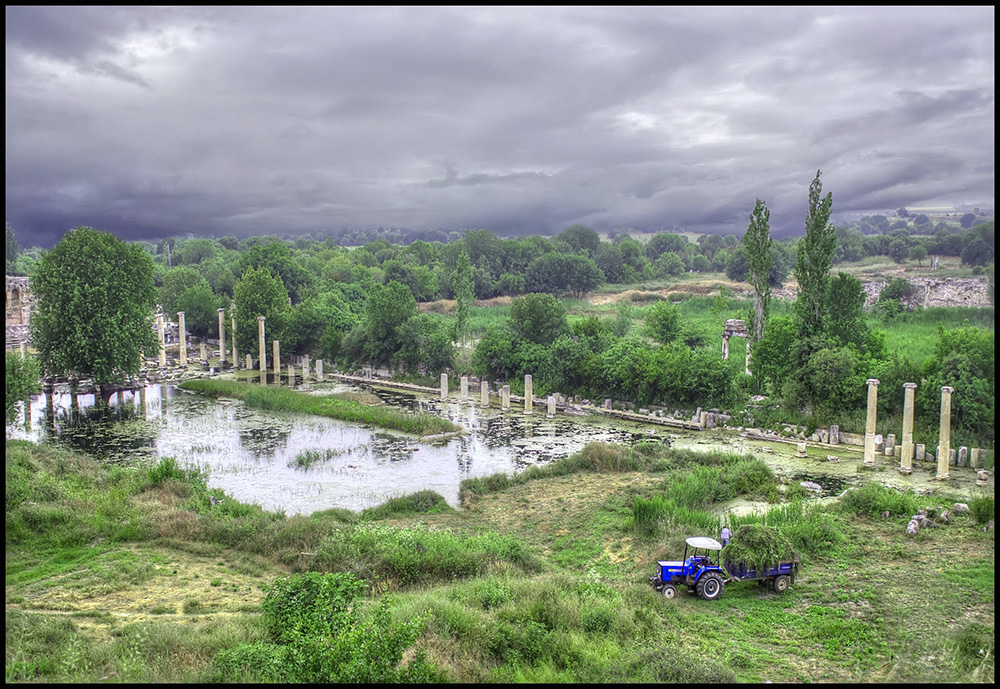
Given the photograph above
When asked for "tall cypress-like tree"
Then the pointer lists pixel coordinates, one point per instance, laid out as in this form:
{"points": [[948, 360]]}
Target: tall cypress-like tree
{"points": [[814, 261], [757, 244], [463, 285]]}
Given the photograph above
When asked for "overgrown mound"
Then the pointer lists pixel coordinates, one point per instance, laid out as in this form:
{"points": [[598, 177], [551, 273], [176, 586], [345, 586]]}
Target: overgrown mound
{"points": [[758, 546]]}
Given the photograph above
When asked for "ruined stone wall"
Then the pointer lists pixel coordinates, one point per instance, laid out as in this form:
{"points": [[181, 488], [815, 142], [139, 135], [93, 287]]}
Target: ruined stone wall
{"points": [[20, 303], [971, 292]]}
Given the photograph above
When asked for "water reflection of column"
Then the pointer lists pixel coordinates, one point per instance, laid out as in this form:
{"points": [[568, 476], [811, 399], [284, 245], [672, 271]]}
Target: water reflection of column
{"points": [[50, 416], [142, 401]]}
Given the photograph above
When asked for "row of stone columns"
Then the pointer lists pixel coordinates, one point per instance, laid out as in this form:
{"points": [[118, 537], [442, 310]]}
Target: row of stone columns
{"points": [[907, 447], [504, 393]]}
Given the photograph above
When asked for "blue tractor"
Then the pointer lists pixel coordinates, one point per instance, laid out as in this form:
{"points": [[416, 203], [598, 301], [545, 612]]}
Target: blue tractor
{"points": [[697, 571], [703, 572]]}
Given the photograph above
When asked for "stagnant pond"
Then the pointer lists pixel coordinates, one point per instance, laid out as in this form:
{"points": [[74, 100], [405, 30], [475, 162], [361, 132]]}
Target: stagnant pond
{"points": [[252, 455], [256, 456]]}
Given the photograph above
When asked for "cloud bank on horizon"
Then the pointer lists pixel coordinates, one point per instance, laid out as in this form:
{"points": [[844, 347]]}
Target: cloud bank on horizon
{"points": [[150, 122]]}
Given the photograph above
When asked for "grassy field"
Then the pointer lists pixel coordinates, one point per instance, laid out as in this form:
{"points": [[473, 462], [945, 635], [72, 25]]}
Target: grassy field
{"points": [[135, 575]]}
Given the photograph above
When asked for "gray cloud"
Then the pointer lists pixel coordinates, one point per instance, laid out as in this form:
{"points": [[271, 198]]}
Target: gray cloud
{"points": [[149, 122]]}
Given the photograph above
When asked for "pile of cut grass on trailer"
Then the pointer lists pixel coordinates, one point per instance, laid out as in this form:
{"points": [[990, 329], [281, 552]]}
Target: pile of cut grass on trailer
{"points": [[282, 399]]}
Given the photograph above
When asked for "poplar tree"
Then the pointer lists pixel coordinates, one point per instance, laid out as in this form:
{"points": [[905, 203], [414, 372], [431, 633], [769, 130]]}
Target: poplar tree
{"points": [[757, 244], [814, 260], [463, 284]]}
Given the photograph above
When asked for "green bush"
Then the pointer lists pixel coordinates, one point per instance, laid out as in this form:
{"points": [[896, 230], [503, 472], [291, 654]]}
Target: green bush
{"points": [[421, 502], [320, 634], [982, 509], [873, 499]]}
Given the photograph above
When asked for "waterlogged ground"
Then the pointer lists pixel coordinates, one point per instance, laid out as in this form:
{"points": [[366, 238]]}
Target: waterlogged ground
{"points": [[259, 457], [252, 455]]}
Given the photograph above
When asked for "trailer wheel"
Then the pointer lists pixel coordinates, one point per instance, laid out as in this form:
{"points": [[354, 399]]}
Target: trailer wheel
{"points": [[709, 587], [669, 591], [780, 584]]}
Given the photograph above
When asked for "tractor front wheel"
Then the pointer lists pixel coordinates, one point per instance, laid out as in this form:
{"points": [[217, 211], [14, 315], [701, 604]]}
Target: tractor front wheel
{"points": [[669, 591], [709, 587], [781, 584]]}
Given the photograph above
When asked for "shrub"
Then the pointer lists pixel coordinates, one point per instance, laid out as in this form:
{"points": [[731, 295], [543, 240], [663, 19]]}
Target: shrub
{"points": [[873, 499], [421, 502], [982, 509], [320, 635]]}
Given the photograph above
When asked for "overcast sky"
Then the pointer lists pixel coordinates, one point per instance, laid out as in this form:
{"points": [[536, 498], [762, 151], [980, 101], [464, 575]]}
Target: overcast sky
{"points": [[152, 122]]}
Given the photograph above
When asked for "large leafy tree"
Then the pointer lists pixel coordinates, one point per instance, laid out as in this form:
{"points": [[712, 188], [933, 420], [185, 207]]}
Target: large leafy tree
{"points": [[22, 381], [388, 307], [94, 297], [12, 250], [815, 258], [538, 318], [259, 293], [757, 245]]}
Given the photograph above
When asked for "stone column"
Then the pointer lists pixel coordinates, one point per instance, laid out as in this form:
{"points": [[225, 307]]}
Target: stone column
{"points": [[890, 444], [465, 388], [484, 389], [222, 336], [919, 452], [725, 347], [963, 456], [945, 448], [162, 339], [527, 393], [835, 434], [291, 375], [203, 351], [444, 386], [249, 362], [974, 458], [305, 369], [261, 349], [552, 407], [505, 398], [182, 332], [747, 365], [276, 355], [906, 451], [870, 423], [236, 357], [319, 370]]}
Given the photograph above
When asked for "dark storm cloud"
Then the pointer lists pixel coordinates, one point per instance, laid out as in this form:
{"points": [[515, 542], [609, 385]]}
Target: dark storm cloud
{"points": [[150, 122]]}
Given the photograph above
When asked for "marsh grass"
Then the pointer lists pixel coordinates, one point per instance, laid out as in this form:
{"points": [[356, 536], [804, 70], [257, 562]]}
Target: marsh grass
{"points": [[283, 399]]}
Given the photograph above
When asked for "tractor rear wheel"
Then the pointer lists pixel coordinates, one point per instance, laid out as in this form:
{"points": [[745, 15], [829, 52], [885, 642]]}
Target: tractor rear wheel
{"points": [[709, 586], [780, 584], [669, 591]]}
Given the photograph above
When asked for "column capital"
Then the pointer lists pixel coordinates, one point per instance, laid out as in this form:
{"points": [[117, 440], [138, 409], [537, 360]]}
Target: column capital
{"points": [[221, 310], [871, 381], [180, 313], [260, 318], [911, 386], [948, 389]]}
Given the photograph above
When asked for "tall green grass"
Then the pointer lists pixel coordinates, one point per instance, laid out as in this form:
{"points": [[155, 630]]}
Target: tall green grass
{"points": [[283, 399]]}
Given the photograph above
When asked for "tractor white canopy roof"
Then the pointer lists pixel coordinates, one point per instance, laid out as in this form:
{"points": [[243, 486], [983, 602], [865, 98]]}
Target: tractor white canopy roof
{"points": [[703, 542]]}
